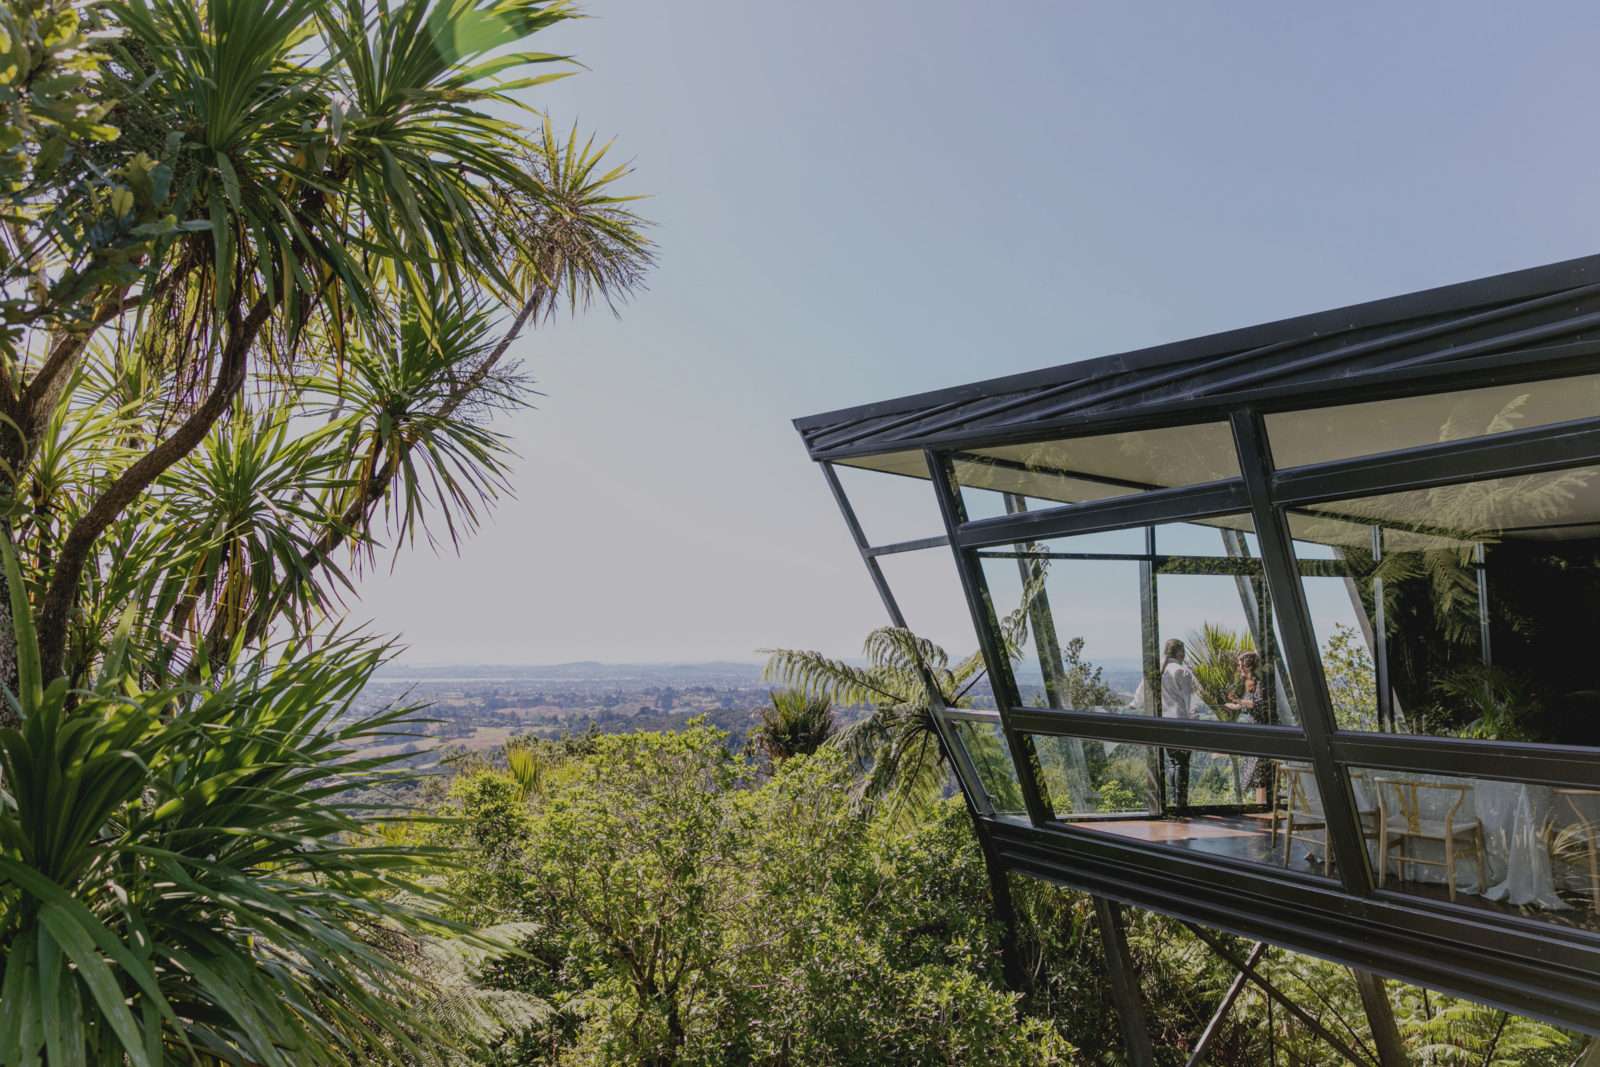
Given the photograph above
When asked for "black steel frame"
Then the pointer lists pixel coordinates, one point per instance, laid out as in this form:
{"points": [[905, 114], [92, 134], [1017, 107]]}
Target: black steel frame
{"points": [[1549, 320]]}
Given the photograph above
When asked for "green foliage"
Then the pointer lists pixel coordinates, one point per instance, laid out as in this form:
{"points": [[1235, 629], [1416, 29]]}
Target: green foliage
{"points": [[261, 263], [1117, 793], [1213, 655], [897, 745], [180, 876], [340, 203], [794, 724], [1490, 702], [1352, 679], [1084, 682], [673, 908], [679, 913]]}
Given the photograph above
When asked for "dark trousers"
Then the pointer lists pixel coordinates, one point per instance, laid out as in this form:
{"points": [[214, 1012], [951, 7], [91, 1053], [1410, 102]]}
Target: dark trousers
{"points": [[1179, 759]]}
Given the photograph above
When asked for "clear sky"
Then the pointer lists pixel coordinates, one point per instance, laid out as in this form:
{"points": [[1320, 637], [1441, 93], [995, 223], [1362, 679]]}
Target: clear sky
{"points": [[859, 200]]}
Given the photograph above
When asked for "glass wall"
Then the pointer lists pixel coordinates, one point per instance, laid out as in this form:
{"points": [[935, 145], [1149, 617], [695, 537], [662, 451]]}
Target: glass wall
{"points": [[1321, 435], [928, 590], [1535, 848], [985, 743], [1212, 802], [1471, 610], [892, 497], [1172, 620]]}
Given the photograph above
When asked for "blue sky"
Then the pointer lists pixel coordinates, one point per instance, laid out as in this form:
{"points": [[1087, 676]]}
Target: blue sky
{"points": [[859, 200]]}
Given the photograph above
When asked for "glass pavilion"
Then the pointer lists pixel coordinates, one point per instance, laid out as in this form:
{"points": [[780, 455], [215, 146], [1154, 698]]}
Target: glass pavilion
{"points": [[1394, 508]]}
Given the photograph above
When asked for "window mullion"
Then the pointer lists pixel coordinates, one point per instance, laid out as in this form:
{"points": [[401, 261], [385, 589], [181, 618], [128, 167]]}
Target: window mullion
{"points": [[984, 622], [1315, 709]]}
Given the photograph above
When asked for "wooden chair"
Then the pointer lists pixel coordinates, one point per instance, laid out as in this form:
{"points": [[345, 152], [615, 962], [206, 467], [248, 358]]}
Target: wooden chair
{"points": [[1278, 802], [1585, 829], [1303, 815], [1402, 820], [1366, 805]]}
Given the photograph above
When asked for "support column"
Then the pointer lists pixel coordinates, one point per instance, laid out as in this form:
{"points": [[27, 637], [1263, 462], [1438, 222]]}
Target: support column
{"points": [[1124, 983], [1218, 1017], [1380, 638], [1150, 654], [1248, 969], [1380, 1018]]}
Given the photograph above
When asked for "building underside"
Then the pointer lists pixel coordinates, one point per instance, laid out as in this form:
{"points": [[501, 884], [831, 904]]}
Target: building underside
{"points": [[1394, 508]]}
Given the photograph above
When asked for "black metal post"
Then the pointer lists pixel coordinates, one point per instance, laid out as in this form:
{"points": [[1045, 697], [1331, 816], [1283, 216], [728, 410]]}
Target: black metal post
{"points": [[1124, 983], [1150, 657], [1041, 620], [1480, 561], [1343, 830], [1246, 968], [1380, 1018], [995, 657], [1380, 639], [1218, 1017]]}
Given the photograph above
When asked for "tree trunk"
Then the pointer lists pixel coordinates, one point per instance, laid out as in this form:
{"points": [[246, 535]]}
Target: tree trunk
{"points": [[1005, 909], [8, 652]]}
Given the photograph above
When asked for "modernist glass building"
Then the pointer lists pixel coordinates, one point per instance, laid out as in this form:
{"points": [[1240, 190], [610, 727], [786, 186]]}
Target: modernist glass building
{"points": [[1395, 508]]}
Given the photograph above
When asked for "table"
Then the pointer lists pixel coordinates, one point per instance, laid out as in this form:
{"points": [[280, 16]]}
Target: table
{"points": [[1515, 817]]}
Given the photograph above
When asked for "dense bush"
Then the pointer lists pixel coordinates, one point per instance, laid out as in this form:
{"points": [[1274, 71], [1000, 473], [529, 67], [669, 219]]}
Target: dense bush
{"points": [[674, 905], [681, 913]]}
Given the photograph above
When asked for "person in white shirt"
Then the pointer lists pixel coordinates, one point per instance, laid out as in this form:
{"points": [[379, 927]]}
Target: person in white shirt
{"points": [[1180, 689], [1180, 699]]}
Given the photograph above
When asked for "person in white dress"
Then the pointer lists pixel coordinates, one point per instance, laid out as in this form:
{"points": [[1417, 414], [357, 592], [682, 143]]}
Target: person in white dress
{"points": [[1180, 699]]}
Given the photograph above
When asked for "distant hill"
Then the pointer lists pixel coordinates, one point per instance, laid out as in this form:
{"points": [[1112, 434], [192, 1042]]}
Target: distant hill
{"points": [[622, 675]]}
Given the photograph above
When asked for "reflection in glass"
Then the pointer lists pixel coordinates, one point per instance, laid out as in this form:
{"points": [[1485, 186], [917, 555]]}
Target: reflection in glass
{"points": [[1182, 632], [1326, 434], [1470, 610], [1200, 801], [986, 747], [1512, 846], [1081, 469]]}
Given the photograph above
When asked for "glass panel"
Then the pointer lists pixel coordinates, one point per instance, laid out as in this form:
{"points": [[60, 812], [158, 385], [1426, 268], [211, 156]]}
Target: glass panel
{"points": [[1230, 535], [1480, 612], [1092, 617], [1098, 468], [986, 748], [1325, 434], [928, 589], [892, 497], [1501, 846], [985, 504], [1213, 802]]}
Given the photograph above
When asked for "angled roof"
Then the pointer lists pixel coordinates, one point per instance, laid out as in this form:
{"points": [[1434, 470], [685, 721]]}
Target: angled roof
{"points": [[1519, 324]]}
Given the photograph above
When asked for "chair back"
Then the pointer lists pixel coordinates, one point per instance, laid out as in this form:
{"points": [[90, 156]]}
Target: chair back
{"points": [[1576, 807], [1303, 796], [1414, 800], [1361, 787]]}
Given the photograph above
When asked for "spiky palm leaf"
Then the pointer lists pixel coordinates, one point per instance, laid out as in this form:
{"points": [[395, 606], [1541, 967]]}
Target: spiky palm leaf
{"points": [[250, 500], [793, 724], [393, 401], [897, 745], [179, 875]]}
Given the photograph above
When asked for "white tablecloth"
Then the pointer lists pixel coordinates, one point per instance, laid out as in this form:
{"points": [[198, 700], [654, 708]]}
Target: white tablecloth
{"points": [[1514, 818]]}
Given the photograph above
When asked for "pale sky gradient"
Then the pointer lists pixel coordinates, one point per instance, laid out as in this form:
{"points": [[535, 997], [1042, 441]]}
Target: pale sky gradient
{"points": [[859, 200]]}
